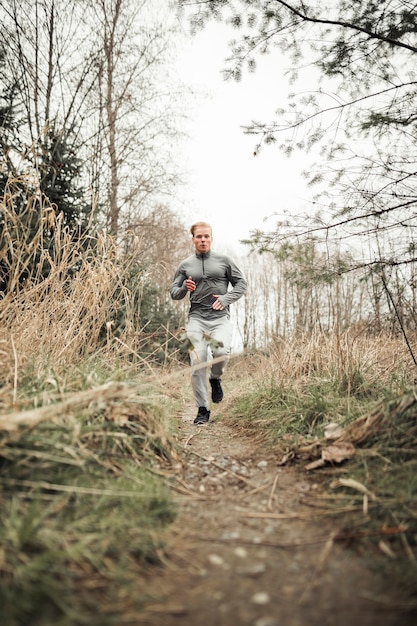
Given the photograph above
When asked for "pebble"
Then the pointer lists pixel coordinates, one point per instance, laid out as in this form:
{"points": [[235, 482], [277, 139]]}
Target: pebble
{"points": [[241, 552], [257, 569], [262, 597], [215, 559]]}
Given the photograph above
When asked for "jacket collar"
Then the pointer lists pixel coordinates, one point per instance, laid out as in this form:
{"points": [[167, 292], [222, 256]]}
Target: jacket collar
{"points": [[203, 255]]}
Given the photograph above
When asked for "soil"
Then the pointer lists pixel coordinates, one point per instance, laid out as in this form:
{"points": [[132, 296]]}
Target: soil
{"points": [[254, 544]]}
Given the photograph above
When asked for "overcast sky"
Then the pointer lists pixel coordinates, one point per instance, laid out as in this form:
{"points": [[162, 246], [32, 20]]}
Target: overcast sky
{"points": [[229, 186]]}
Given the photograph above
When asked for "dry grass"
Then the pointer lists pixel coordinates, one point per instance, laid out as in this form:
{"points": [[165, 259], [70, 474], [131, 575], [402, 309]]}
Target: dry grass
{"points": [[71, 297], [60, 320], [348, 357]]}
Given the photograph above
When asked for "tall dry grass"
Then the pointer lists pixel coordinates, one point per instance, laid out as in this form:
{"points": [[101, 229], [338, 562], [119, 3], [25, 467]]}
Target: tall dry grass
{"points": [[354, 359], [61, 298]]}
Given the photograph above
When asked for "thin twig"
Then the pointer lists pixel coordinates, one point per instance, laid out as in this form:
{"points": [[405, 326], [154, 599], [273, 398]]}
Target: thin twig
{"points": [[256, 490], [75, 401], [8, 453], [271, 495], [190, 437], [398, 316], [255, 514], [187, 490], [91, 491], [323, 558], [15, 371]]}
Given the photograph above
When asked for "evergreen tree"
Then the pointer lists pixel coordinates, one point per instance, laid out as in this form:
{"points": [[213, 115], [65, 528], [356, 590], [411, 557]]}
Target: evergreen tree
{"points": [[60, 171]]}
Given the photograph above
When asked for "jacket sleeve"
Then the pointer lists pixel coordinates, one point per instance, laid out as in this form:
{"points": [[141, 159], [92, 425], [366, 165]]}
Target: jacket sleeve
{"points": [[178, 290], [238, 282]]}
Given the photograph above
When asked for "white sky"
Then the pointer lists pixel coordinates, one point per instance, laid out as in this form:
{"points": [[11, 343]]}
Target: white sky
{"points": [[228, 185]]}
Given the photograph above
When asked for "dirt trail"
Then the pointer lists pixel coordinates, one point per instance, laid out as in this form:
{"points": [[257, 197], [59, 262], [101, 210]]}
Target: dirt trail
{"points": [[255, 545]]}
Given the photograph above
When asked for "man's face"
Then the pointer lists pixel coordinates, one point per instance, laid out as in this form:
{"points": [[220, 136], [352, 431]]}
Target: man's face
{"points": [[202, 239]]}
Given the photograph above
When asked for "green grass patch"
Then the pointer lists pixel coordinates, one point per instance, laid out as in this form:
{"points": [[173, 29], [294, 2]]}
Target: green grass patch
{"points": [[82, 513], [295, 412]]}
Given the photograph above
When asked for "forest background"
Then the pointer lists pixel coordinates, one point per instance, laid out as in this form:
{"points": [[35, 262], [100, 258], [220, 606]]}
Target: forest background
{"points": [[90, 120]]}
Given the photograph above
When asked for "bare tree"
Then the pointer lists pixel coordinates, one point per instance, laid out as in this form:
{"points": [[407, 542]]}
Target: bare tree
{"points": [[138, 111], [99, 70]]}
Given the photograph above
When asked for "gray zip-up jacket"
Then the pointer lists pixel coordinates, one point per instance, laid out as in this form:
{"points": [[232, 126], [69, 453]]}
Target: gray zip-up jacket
{"points": [[212, 274]]}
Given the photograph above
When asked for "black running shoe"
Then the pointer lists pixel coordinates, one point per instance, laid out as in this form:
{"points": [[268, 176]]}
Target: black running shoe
{"points": [[203, 415], [216, 390]]}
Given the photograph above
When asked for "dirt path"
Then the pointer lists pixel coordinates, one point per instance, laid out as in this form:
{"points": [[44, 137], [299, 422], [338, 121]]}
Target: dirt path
{"points": [[254, 545]]}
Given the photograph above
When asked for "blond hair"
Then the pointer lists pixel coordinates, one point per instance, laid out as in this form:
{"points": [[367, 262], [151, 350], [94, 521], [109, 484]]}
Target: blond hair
{"points": [[200, 225]]}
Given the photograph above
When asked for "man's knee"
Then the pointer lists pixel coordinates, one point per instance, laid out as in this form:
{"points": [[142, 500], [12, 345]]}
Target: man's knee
{"points": [[198, 357], [221, 352]]}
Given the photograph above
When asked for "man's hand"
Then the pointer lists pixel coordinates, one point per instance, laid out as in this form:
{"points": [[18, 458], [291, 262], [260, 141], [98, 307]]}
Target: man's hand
{"points": [[217, 305], [190, 284]]}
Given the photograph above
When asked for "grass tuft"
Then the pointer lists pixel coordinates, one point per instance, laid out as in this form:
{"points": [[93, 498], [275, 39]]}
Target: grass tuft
{"points": [[290, 396], [82, 506]]}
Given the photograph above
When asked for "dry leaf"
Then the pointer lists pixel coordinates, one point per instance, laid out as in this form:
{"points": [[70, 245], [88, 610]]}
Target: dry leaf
{"points": [[335, 453], [333, 431], [338, 452], [289, 456], [315, 464]]}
